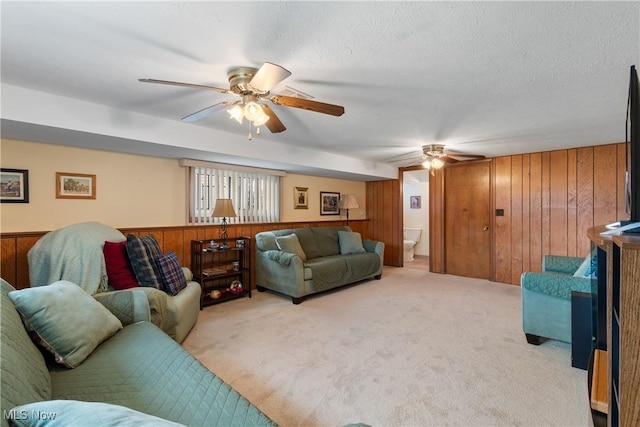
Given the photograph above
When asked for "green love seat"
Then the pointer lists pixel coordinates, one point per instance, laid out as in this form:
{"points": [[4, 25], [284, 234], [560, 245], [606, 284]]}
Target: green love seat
{"points": [[299, 262], [136, 376]]}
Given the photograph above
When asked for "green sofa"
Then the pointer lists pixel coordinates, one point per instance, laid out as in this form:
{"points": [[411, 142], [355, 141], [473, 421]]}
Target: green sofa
{"points": [[137, 376], [546, 297], [318, 259]]}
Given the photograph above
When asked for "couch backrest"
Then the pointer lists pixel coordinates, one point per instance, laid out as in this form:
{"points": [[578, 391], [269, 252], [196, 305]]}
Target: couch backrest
{"points": [[24, 376], [315, 241]]}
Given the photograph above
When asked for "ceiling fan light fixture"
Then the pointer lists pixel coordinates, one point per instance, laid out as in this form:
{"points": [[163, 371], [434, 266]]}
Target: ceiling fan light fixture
{"points": [[426, 163], [436, 163], [253, 111], [262, 119], [236, 113]]}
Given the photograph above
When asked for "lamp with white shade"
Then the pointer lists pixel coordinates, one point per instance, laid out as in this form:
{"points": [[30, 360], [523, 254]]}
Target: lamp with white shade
{"points": [[348, 201], [223, 209]]}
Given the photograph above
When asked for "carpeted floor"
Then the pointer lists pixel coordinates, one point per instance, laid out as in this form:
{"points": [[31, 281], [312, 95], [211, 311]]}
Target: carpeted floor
{"points": [[412, 349]]}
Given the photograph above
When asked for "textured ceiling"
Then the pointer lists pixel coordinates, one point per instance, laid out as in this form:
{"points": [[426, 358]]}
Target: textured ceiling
{"points": [[488, 78]]}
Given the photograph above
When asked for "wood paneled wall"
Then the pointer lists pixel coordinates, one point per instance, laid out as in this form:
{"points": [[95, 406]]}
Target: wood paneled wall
{"points": [[384, 210], [550, 199], [14, 266]]}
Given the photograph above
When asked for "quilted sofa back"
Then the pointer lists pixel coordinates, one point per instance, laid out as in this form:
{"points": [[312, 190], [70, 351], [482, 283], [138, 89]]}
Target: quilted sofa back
{"points": [[25, 377], [315, 241]]}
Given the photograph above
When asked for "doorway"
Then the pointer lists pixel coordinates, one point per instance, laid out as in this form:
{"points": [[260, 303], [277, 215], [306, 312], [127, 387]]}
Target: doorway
{"points": [[415, 216], [467, 205]]}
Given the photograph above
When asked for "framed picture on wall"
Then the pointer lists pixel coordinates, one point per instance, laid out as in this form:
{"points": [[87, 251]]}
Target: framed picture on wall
{"points": [[14, 185], [415, 202], [301, 198], [75, 186], [329, 203]]}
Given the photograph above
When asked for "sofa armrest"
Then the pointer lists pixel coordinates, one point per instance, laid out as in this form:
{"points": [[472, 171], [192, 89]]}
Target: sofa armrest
{"points": [[561, 264], [188, 274], [280, 273], [129, 306]]}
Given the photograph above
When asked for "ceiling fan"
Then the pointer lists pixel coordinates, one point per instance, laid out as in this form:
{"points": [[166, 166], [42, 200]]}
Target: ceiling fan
{"points": [[253, 86], [434, 157]]}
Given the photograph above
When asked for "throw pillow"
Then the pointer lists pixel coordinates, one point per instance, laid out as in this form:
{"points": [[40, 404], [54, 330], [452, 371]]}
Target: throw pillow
{"points": [[69, 322], [350, 242], [173, 277], [119, 270], [291, 244], [75, 413], [143, 252], [589, 267]]}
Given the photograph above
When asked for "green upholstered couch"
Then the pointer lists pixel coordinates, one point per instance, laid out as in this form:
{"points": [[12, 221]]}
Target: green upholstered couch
{"points": [[330, 257], [546, 297], [138, 376]]}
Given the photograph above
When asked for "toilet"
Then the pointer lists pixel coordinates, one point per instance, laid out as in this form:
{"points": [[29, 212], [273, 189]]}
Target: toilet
{"points": [[411, 237]]}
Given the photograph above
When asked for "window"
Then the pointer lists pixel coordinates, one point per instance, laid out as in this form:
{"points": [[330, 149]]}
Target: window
{"points": [[255, 196]]}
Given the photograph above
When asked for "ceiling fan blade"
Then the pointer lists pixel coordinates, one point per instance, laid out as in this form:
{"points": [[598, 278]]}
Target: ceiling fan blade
{"points": [[445, 158], [209, 110], [268, 76], [307, 104], [459, 157], [274, 124], [167, 82]]}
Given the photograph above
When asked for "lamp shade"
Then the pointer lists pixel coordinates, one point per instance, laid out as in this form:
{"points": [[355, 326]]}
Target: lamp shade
{"points": [[224, 208], [348, 201]]}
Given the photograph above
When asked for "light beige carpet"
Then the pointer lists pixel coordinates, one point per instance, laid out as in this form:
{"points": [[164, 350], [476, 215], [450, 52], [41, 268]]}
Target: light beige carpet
{"points": [[412, 349]]}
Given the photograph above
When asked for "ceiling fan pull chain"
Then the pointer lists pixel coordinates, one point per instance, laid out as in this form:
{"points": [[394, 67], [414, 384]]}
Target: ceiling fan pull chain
{"points": [[250, 136]]}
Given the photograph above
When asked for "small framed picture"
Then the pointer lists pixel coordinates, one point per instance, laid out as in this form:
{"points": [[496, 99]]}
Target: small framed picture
{"points": [[329, 203], [301, 198], [415, 202], [75, 186], [14, 185]]}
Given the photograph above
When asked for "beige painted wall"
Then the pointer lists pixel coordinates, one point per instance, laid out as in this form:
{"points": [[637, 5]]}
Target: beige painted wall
{"points": [[316, 184], [132, 190]]}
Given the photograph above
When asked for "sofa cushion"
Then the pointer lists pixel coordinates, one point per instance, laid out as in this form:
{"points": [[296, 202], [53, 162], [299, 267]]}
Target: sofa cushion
{"points": [[151, 373], [327, 239], [350, 242], [69, 322], [173, 278], [119, 270], [143, 252], [308, 242], [25, 377], [291, 244], [77, 413]]}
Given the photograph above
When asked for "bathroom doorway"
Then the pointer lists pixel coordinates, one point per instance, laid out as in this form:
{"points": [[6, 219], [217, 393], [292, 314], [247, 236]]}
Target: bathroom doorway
{"points": [[415, 212]]}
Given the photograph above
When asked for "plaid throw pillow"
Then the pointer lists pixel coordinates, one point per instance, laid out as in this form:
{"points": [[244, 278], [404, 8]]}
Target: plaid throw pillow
{"points": [[143, 251], [172, 275]]}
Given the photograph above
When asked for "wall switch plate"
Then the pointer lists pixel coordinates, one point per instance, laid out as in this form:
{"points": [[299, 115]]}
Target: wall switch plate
{"points": [[499, 212]]}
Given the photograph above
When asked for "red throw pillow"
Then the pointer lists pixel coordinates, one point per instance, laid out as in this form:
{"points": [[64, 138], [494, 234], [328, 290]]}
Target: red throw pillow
{"points": [[119, 269]]}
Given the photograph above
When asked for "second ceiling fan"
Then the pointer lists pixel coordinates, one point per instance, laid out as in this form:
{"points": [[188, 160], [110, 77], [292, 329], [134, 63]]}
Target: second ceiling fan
{"points": [[253, 86]]}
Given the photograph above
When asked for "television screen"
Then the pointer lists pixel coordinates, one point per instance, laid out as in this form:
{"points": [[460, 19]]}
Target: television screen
{"points": [[633, 150]]}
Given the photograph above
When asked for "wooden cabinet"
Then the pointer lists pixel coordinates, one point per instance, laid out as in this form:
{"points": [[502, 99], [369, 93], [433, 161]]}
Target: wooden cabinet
{"points": [[624, 350], [622, 316], [223, 274]]}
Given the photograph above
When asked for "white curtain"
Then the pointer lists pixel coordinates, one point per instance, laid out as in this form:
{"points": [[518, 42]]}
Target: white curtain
{"points": [[255, 196]]}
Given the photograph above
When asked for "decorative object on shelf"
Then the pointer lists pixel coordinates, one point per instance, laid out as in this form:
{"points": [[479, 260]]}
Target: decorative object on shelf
{"points": [[223, 209], [301, 198], [239, 243], [235, 265], [415, 202], [14, 186], [213, 244], [215, 294], [329, 203], [348, 201], [75, 186], [236, 287]]}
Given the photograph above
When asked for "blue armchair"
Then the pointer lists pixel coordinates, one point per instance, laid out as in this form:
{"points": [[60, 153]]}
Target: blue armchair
{"points": [[546, 297]]}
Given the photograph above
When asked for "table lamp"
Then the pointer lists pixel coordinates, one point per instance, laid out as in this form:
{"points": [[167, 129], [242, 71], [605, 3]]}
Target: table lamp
{"points": [[223, 209], [348, 201]]}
